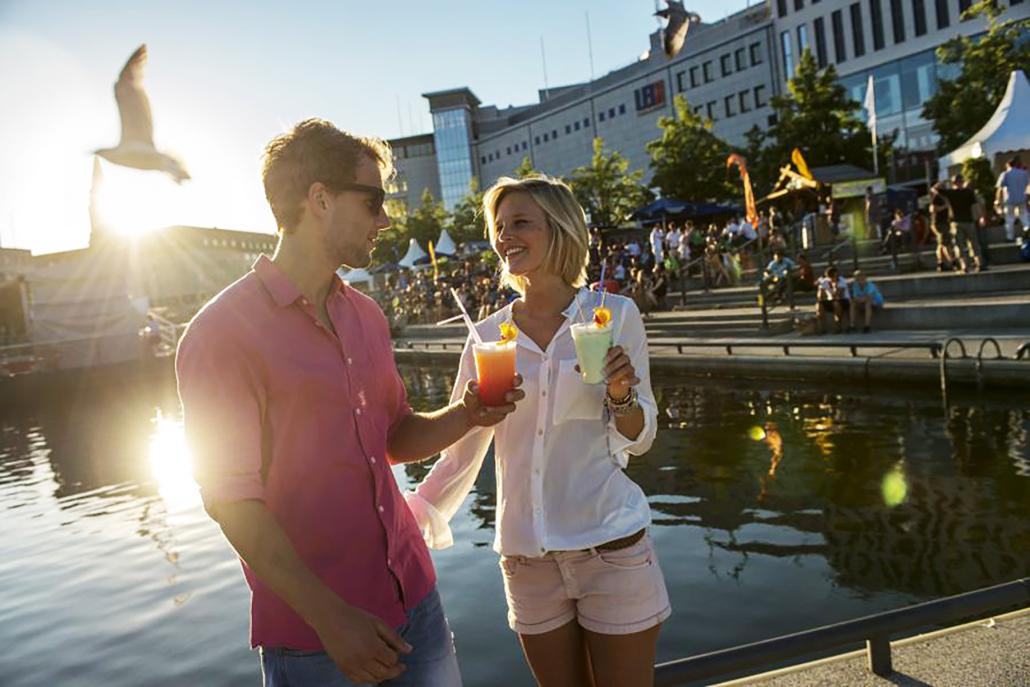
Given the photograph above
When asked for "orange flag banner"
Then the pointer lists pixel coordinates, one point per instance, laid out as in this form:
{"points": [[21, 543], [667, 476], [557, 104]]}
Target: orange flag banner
{"points": [[751, 209], [799, 161], [432, 259]]}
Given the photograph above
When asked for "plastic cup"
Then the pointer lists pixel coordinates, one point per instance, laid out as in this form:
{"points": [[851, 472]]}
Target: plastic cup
{"points": [[495, 369], [592, 344]]}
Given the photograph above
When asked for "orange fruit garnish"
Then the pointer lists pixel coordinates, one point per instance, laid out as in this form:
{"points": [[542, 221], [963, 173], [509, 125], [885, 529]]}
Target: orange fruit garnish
{"points": [[602, 316], [508, 331]]}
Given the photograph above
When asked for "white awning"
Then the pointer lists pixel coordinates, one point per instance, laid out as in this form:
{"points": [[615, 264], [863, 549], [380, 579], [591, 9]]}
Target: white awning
{"points": [[414, 253], [1006, 131]]}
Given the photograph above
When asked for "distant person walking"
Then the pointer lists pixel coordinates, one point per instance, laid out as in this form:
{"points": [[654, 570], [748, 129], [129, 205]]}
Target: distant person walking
{"points": [[1011, 198], [965, 212]]}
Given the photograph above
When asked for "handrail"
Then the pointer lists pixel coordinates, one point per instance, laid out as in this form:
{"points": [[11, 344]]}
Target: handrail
{"points": [[944, 365], [980, 358], [934, 347], [1023, 350], [875, 630]]}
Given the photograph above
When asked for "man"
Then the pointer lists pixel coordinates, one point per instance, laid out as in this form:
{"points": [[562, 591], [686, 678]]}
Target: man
{"points": [[777, 273], [658, 243], [873, 213], [1010, 198], [939, 216], [965, 211], [865, 297], [294, 411]]}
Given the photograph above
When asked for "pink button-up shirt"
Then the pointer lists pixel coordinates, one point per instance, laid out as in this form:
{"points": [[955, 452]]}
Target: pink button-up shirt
{"points": [[278, 408]]}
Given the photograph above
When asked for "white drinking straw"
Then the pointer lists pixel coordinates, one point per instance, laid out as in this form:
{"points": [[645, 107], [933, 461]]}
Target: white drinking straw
{"points": [[600, 283], [448, 320], [579, 307], [465, 316]]}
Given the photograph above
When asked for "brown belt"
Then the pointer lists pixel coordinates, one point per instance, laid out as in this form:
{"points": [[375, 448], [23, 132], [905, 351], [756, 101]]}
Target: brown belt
{"points": [[623, 543]]}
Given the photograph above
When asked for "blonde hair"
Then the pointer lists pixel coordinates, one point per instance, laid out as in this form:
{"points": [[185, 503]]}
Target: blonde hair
{"points": [[569, 249]]}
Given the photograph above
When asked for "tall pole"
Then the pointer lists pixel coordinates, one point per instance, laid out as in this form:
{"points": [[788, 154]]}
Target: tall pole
{"points": [[543, 58], [590, 47]]}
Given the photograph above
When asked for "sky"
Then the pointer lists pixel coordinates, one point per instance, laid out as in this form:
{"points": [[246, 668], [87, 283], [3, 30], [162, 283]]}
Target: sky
{"points": [[226, 76]]}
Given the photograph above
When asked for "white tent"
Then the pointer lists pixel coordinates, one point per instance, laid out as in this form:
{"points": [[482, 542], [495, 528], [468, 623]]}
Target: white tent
{"points": [[445, 244], [414, 253], [355, 276], [1007, 131]]}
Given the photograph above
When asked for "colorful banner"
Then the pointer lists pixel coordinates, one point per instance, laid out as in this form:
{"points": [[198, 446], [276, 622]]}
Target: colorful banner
{"points": [[751, 209], [799, 161], [432, 259]]}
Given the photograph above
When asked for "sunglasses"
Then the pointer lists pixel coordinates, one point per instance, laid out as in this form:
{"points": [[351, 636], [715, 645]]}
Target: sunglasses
{"points": [[375, 203]]}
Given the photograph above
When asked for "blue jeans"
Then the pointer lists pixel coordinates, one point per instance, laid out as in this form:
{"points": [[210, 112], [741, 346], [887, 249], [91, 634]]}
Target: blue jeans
{"points": [[431, 663]]}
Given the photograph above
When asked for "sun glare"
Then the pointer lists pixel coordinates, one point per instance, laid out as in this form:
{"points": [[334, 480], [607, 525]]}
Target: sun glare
{"points": [[170, 464], [133, 202]]}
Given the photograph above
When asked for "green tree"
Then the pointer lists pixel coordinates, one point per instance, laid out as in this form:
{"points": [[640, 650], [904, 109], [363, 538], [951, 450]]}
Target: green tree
{"points": [[525, 169], [963, 105], [467, 221], [817, 116], [689, 161], [426, 222], [606, 188]]}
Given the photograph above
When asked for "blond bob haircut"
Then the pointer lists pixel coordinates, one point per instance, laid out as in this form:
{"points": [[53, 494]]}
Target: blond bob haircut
{"points": [[569, 250]]}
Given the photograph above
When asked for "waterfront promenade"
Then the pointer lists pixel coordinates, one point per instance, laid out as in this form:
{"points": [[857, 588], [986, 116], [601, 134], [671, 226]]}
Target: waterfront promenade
{"points": [[989, 651]]}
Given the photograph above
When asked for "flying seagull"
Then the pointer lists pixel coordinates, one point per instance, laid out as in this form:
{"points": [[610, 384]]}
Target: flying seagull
{"points": [[675, 32], [136, 149]]}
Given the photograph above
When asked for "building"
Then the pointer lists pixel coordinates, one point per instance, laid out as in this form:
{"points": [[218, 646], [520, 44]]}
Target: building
{"points": [[728, 71]]}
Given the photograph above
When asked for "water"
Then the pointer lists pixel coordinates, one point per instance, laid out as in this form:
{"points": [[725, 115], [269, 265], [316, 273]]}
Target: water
{"points": [[775, 511]]}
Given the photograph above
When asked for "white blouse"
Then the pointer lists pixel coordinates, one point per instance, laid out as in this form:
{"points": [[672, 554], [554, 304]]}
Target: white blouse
{"points": [[559, 456]]}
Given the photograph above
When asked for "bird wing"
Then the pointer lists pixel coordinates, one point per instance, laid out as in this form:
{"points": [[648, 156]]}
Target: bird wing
{"points": [[133, 104], [679, 24]]}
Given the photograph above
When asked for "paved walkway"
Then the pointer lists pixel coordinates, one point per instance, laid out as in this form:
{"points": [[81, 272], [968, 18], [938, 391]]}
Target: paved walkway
{"points": [[992, 652]]}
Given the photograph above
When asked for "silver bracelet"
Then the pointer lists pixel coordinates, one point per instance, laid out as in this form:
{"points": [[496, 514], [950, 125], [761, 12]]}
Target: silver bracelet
{"points": [[623, 407]]}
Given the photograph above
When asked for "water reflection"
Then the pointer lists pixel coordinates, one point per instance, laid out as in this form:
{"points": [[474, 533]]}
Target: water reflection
{"points": [[171, 465], [892, 493]]}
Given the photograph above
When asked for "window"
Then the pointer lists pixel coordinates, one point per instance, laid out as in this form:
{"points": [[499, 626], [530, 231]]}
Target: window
{"points": [[694, 82], [755, 50], [963, 5], [918, 80], [611, 113], [622, 108], [745, 101], [680, 82], [698, 109], [802, 39], [586, 122], [739, 59], [799, 5], [568, 129], [537, 140], [820, 41], [649, 96], [781, 8], [919, 16], [706, 70], [943, 20], [548, 138], [554, 134], [876, 19], [839, 52], [857, 32], [508, 151], [724, 64], [759, 96], [731, 108], [601, 116], [898, 21], [576, 125], [710, 110], [787, 53], [525, 145]]}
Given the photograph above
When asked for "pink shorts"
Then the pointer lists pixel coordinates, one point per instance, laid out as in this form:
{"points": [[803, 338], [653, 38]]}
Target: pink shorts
{"points": [[609, 592]]}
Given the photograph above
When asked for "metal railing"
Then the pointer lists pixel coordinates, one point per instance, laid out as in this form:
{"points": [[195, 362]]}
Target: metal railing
{"points": [[934, 347], [875, 630]]}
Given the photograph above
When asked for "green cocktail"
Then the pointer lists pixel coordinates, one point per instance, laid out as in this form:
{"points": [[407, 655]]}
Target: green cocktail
{"points": [[592, 344]]}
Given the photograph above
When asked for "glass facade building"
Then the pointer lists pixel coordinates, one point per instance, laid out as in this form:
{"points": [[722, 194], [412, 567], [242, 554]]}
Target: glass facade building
{"points": [[452, 135]]}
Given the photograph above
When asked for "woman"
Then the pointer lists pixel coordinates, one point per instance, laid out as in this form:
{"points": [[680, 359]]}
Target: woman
{"points": [[832, 299], [584, 590]]}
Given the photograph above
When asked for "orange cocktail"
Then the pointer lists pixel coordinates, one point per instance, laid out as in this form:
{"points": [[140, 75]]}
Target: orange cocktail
{"points": [[495, 368]]}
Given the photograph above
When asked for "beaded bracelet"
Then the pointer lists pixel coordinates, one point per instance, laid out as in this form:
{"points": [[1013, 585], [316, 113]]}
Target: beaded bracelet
{"points": [[623, 407]]}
